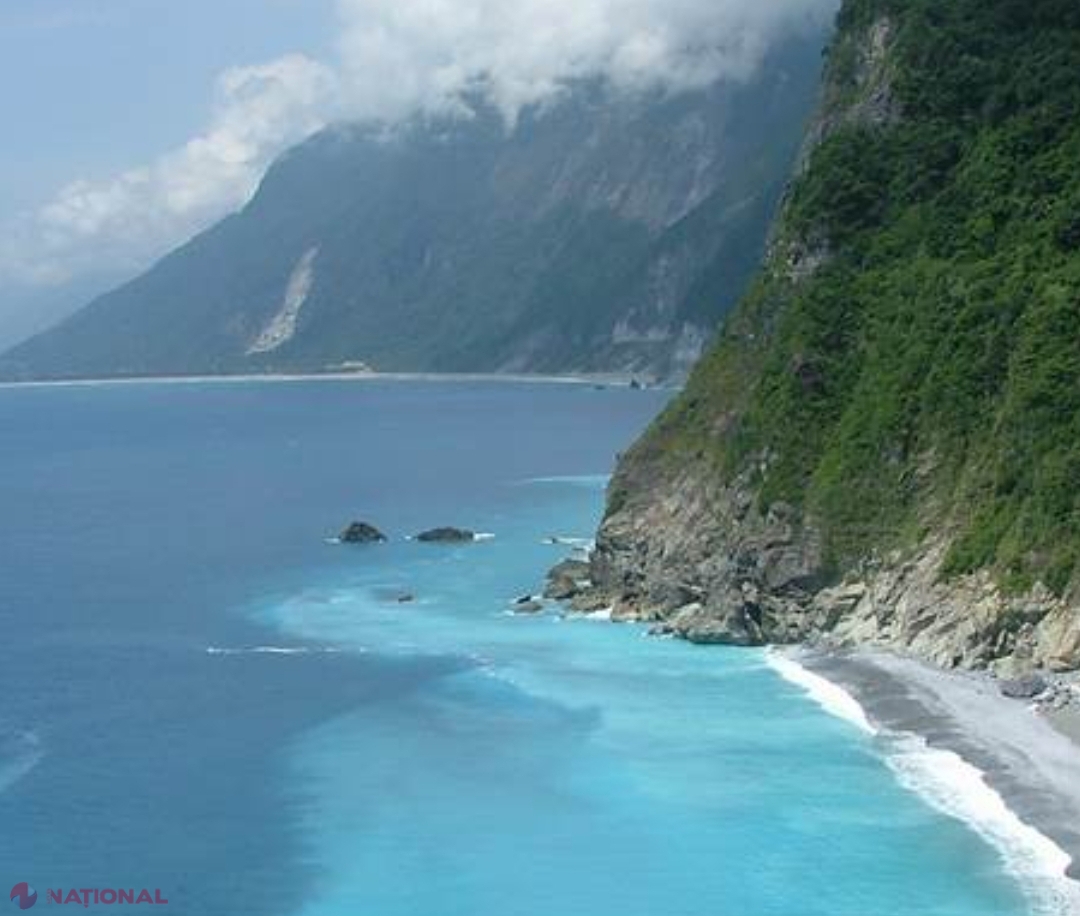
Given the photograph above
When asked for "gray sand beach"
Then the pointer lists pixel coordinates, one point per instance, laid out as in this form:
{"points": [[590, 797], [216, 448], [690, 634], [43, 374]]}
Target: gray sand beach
{"points": [[1032, 759]]}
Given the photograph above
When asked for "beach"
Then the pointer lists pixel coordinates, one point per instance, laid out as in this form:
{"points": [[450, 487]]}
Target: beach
{"points": [[1030, 758]]}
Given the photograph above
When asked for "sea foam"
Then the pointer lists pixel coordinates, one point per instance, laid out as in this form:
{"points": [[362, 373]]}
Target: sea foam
{"points": [[829, 696], [954, 787], [272, 650], [585, 545], [592, 481], [19, 754]]}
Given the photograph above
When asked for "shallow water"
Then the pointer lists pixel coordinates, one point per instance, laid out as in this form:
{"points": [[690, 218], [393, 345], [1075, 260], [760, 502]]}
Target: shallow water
{"points": [[201, 694]]}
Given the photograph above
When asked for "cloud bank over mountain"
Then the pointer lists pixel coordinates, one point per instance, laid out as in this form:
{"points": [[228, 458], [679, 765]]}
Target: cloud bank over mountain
{"points": [[395, 59], [122, 221], [402, 57]]}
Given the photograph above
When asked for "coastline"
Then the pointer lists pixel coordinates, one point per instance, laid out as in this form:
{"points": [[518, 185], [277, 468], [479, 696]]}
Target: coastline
{"points": [[602, 379], [1031, 760]]}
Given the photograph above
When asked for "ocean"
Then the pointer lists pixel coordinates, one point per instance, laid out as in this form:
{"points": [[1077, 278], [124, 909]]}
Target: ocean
{"points": [[202, 694]]}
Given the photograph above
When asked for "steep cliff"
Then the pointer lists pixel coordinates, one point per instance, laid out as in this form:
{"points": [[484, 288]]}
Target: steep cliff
{"points": [[884, 445], [602, 232]]}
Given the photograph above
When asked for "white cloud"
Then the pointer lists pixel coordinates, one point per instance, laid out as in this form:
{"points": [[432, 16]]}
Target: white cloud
{"points": [[127, 220], [396, 58], [399, 56]]}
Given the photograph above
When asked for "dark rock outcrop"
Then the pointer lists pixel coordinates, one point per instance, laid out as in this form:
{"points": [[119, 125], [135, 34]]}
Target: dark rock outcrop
{"points": [[527, 604], [567, 579], [361, 533], [446, 535], [1024, 688]]}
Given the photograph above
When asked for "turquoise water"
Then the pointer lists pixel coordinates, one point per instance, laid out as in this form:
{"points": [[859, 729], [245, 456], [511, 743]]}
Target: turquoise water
{"points": [[578, 767], [211, 698]]}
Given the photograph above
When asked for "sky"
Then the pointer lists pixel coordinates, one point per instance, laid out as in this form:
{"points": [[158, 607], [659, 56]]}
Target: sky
{"points": [[89, 86], [133, 124]]}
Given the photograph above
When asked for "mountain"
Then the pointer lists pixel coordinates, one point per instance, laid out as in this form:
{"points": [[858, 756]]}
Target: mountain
{"points": [[884, 444], [26, 309], [600, 233]]}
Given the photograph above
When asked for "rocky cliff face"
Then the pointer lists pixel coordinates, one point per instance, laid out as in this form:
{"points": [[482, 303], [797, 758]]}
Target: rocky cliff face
{"points": [[848, 465], [700, 561]]}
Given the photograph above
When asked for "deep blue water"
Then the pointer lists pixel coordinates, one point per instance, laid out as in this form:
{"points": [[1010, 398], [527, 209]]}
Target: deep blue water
{"points": [[435, 758]]}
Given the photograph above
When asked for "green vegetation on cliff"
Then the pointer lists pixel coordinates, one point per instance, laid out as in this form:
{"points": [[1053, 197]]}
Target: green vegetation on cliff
{"points": [[908, 362]]}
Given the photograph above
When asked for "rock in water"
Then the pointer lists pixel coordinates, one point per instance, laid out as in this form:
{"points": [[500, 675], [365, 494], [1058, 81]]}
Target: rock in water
{"points": [[1024, 688], [567, 579], [446, 536], [361, 533]]}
